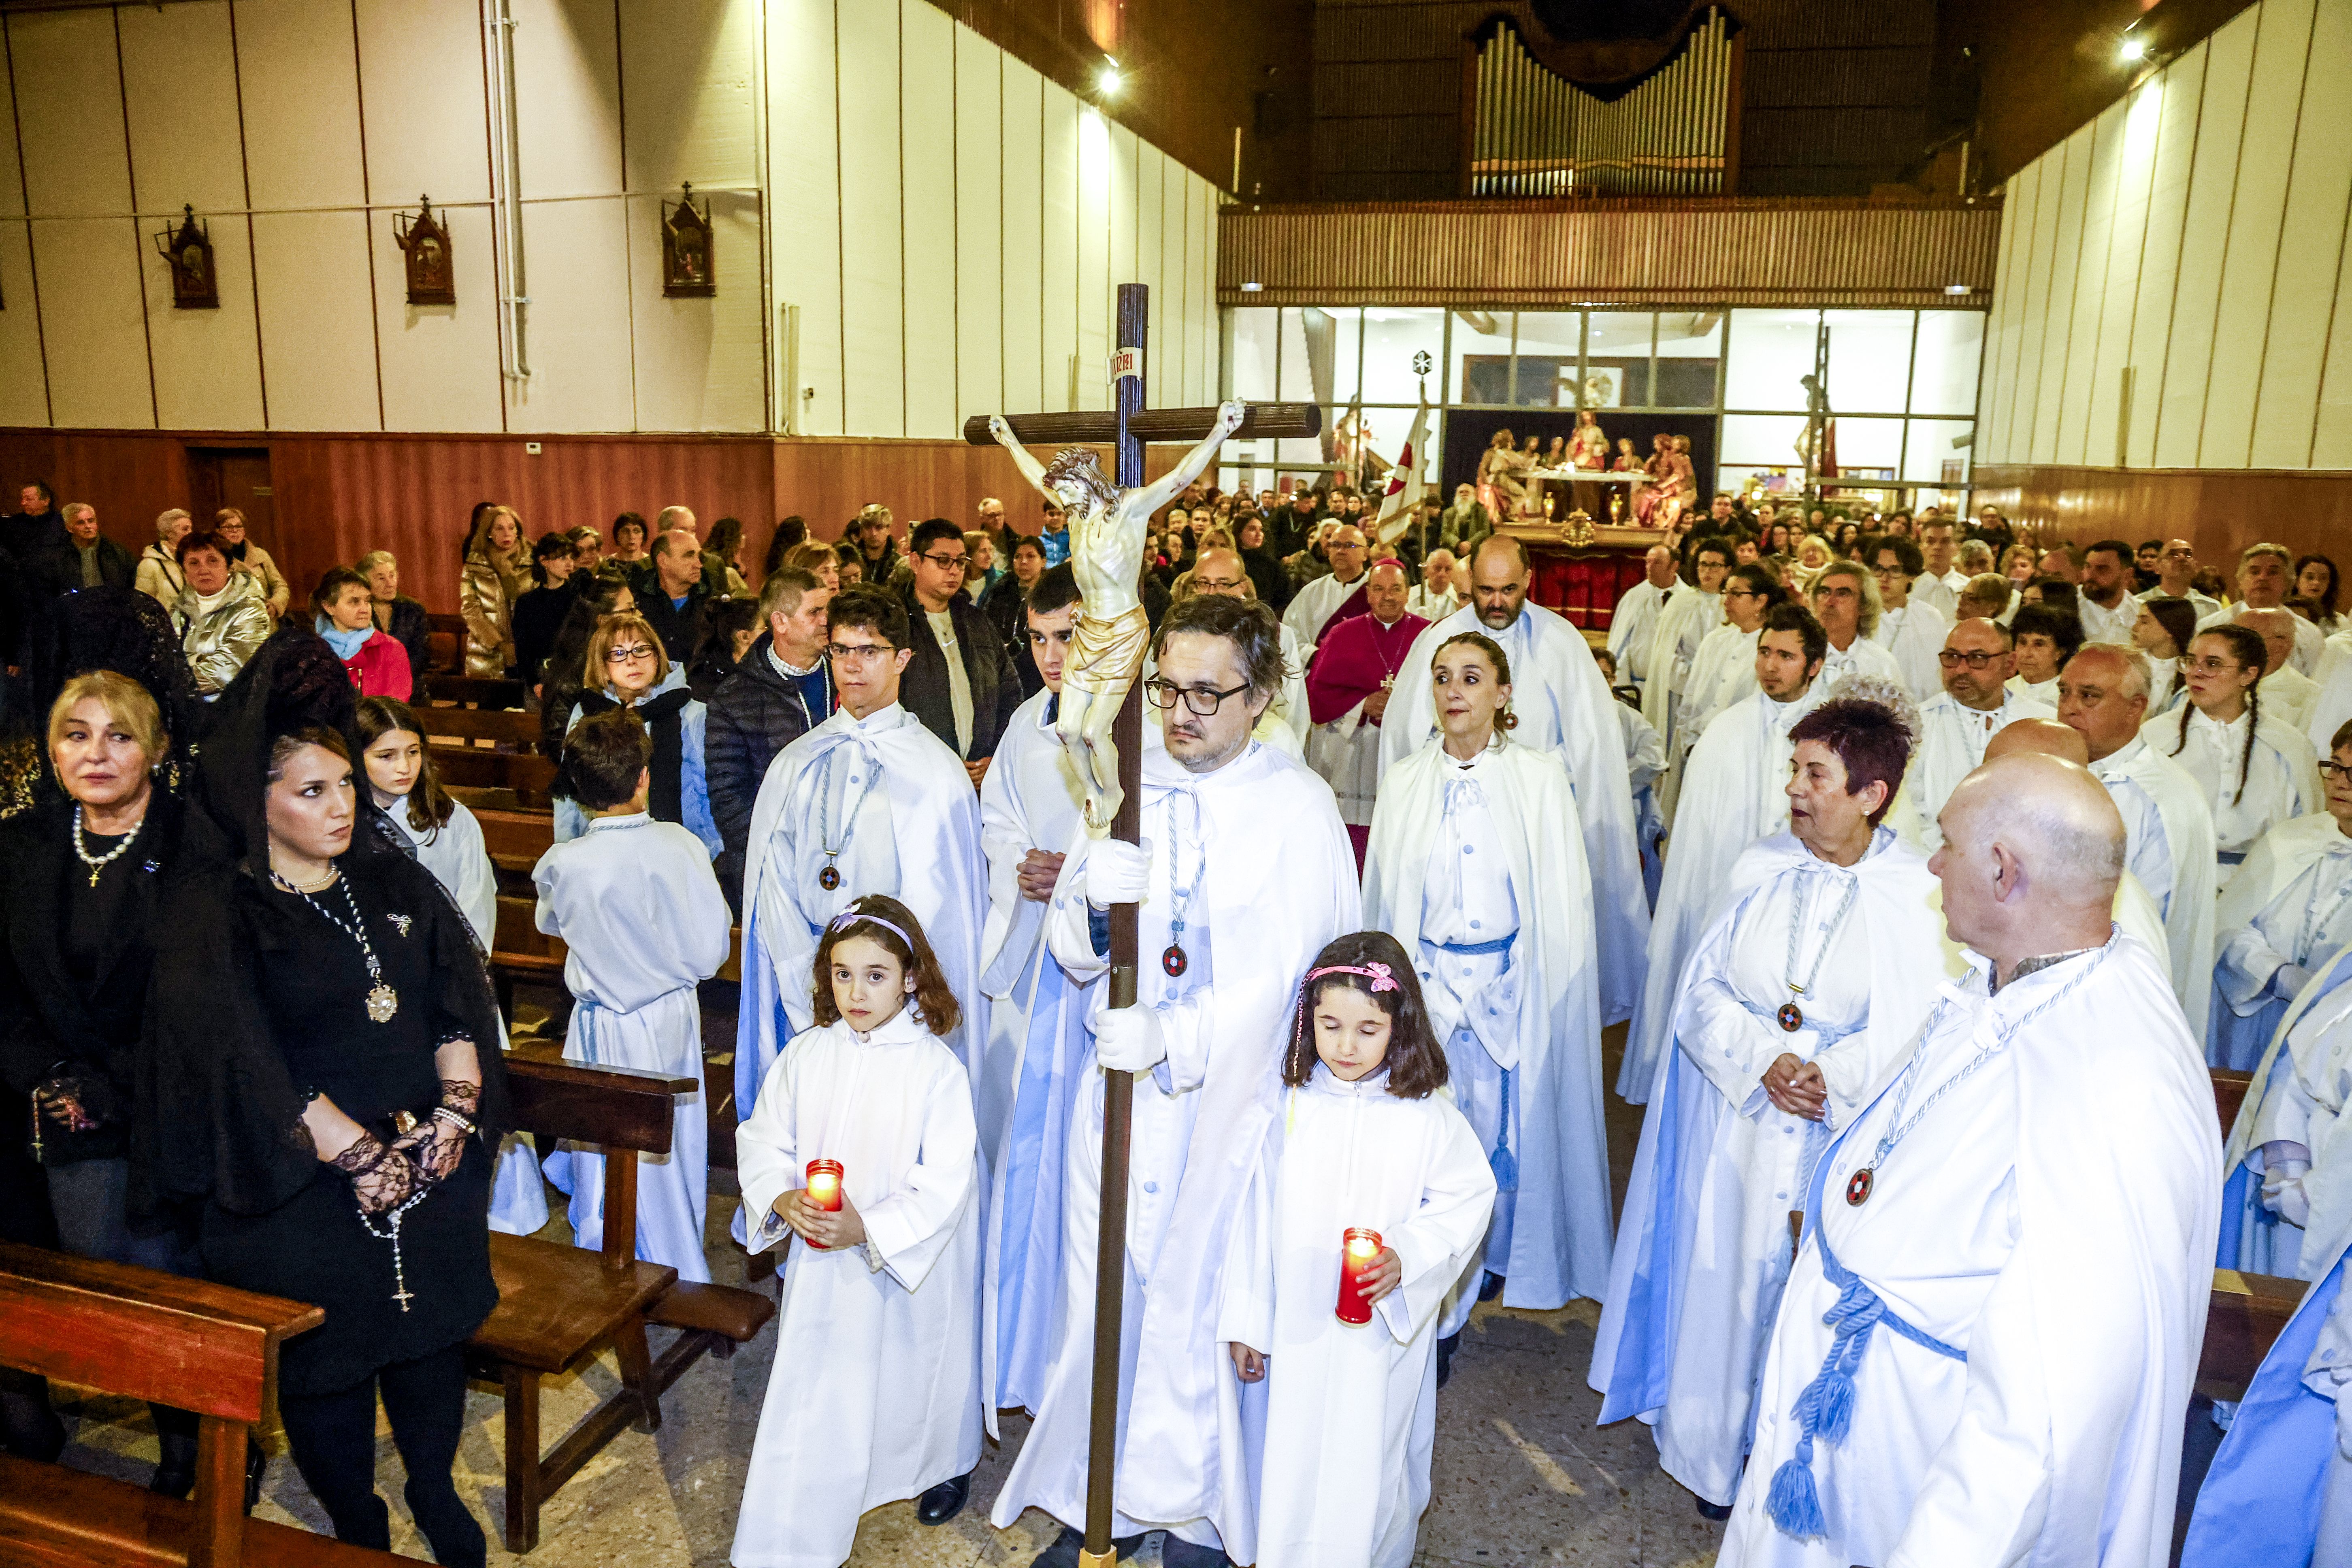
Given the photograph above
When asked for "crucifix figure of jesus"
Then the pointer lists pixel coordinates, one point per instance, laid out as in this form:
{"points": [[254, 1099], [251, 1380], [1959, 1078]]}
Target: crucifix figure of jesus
{"points": [[1107, 532]]}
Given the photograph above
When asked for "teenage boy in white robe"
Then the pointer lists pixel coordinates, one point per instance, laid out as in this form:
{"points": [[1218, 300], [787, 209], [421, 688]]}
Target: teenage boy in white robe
{"points": [[1926, 1397], [639, 911], [1563, 707], [867, 802], [1477, 867], [1908, 626], [875, 1395], [2167, 828], [1737, 782], [2292, 1111], [2287, 910], [1031, 805], [1246, 871], [1806, 986], [1364, 1141], [1682, 625]]}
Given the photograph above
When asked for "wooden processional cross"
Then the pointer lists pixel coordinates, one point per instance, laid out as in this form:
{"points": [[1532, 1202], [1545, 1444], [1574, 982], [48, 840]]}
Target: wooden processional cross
{"points": [[1125, 430]]}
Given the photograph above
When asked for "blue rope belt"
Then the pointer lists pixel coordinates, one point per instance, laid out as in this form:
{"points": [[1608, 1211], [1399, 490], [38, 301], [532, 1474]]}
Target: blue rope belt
{"points": [[1825, 1408], [1504, 1164], [2231, 857]]}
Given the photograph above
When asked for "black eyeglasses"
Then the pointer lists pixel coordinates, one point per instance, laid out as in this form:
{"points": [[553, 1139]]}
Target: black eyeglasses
{"points": [[949, 562], [1204, 700], [2331, 770], [1950, 659]]}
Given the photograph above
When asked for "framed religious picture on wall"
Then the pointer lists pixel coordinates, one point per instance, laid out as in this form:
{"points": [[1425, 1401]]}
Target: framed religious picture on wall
{"points": [[686, 256], [188, 251], [424, 244]]}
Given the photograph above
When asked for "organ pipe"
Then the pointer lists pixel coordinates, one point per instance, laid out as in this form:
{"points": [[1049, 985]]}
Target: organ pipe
{"points": [[1538, 135]]}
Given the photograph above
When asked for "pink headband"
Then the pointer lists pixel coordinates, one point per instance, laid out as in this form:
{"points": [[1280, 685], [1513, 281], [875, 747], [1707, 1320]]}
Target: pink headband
{"points": [[852, 916], [1375, 971]]}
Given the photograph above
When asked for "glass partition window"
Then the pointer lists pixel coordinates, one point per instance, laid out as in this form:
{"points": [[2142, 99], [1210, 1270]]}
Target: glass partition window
{"points": [[1393, 339], [1870, 361], [1690, 354], [1772, 352], [1478, 369], [1249, 354], [1548, 347], [1617, 346], [1944, 364]]}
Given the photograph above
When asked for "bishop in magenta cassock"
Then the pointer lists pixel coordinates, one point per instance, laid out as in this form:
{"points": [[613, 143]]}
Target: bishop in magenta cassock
{"points": [[1347, 690]]}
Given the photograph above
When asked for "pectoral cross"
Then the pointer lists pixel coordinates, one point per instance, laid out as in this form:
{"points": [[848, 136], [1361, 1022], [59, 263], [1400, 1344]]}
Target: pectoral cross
{"points": [[1102, 722]]}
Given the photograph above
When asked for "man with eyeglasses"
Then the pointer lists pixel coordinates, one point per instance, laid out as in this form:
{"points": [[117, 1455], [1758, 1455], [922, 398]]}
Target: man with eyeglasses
{"points": [[2168, 828], [1976, 703], [1908, 627], [1243, 875], [1845, 601], [2175, 578], [1333, 598], [2265, 577], [1562, 705], [960, 681], [870, 801], [1283, 725], [1732, 794]]}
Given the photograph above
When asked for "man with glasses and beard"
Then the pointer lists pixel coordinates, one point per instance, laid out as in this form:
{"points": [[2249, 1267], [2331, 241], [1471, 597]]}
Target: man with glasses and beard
{"points": [[870, 801], [1242, 874], [960, 681]]}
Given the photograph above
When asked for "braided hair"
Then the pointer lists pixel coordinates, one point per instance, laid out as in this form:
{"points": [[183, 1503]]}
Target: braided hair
{"points": [[2246, 645]]}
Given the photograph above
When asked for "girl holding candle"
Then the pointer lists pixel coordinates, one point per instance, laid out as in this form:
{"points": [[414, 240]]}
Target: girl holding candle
{"points": [[1371, 1192], [862, 1144]]}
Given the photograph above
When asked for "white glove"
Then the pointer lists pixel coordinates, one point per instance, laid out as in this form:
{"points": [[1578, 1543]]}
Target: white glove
{"points": [[2282, 1193], [1116, 872], [1127, 1039], [2290, 979]]}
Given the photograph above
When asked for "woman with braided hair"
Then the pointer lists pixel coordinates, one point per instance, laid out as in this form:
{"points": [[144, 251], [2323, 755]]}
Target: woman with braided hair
{"points": [[313, 1090], [2256, 772]]}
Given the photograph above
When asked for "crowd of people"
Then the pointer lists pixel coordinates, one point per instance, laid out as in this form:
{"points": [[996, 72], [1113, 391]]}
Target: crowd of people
{"points": [[1931, 864]]}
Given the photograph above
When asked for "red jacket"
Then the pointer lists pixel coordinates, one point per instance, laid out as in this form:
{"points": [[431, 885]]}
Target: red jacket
{"points": [[380, 668]]}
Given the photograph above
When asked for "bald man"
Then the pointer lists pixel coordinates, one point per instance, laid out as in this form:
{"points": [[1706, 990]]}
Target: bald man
{"points": [[1634, 622], [1336, 596], [1283, 725], [2014, 1240], [1562, 705], [2135, 912], [2288, 693], [1349, 688]]}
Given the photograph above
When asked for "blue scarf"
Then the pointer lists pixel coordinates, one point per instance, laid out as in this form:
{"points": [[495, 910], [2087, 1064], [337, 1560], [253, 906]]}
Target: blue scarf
{"points": [[346, 644]]}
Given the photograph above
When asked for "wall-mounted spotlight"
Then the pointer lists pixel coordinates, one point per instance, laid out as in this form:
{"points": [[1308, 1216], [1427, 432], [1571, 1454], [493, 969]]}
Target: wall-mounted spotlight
{"points": [[2134, 49], [1107, 79]]}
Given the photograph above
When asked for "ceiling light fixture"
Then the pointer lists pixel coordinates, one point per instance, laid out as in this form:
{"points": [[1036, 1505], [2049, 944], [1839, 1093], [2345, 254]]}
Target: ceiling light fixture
{"points": [[2134, 49], [1106, 81], [1957, 288]]}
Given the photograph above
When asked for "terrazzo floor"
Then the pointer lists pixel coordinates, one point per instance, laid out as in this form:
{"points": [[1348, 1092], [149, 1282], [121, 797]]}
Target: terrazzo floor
{"points": [[1522, 1476]]}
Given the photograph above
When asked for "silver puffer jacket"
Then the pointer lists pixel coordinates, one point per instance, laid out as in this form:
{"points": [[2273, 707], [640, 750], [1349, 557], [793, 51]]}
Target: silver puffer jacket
{"points": [[219, 641]]}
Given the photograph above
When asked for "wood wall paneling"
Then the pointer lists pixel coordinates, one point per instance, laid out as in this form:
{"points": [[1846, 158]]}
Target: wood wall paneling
{"points": [[318, 313], [2205, 234], [804, 182], [439, 363], [2182, 87], [927, 206], [1024, 239], [979, 179], [872, 242], [2218, 511], [2310, 246], [298, 64], [1059, 294]]}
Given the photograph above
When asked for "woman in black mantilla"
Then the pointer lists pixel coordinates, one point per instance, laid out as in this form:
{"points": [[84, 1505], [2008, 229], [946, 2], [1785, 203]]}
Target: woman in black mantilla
{"points": [[314, 1083]]}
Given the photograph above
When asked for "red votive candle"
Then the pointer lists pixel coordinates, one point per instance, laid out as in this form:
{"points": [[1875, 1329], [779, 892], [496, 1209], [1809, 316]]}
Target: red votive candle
{"points": [[1357, 1248], [825, 1189]]}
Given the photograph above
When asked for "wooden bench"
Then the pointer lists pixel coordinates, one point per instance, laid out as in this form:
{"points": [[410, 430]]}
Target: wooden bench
{"points": [[559, 1305], [504, 729], [446, 643], [515, 839], [2244, 1318], [473, 691], [530, 779], [143, 1335], [2230, 1089]]}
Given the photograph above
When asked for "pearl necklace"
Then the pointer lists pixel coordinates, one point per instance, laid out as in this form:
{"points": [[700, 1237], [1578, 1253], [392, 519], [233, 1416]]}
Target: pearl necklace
{"points": [[98, 863]]}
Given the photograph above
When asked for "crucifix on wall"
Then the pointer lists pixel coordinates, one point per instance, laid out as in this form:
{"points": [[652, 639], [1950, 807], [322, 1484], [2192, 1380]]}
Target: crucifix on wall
{"points": [[1101, 723]]}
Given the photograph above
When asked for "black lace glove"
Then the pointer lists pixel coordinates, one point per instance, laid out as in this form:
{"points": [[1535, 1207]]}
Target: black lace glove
{"points": [[382, 1179], [437, 1145], [78, 1098]]}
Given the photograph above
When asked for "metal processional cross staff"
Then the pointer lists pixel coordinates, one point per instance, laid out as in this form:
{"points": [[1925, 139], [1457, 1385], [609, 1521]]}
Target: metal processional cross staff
{"points": [[1101, 724]]}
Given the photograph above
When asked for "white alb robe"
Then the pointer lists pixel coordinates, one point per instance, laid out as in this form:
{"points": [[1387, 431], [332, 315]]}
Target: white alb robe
{"points": [[2331, 705], [1036, 1059], [2310, 642], [2291, 903], [1311, 608], [1634, 622], [1645, 766], [2298, 1096], [1351, 1409], [1915, 634], [875, 1391], [2169, 849], [2289, 695], [1277, 880], [1563, 707], [640, 911], [1431, 606], [460, 861], [1705, 1249], [2282, 777], [1735, 793], [914, 835], [1940, 593], [2056, 1232], [2102, 625], [1464, 857], [1952, 740], [1722, 675], [2045, 693], [1682, 627], [1860, 656]]}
